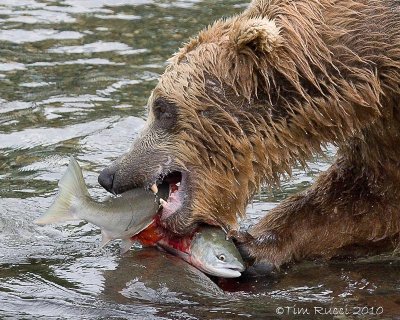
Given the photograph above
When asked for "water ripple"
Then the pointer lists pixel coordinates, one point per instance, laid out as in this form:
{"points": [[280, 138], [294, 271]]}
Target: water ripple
{"points": [[33, 137], [21, 36], [98, 46]]}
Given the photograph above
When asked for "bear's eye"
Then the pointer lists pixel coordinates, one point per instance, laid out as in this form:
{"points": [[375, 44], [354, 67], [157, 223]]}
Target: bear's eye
{"points": [[164, 112]]}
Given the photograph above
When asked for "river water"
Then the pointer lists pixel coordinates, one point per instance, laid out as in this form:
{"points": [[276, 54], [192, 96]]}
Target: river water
{"points": [[74, 79]]}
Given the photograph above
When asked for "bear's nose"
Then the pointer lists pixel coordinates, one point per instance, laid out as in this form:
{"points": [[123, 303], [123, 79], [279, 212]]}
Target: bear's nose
{"points": [[106, 179]]}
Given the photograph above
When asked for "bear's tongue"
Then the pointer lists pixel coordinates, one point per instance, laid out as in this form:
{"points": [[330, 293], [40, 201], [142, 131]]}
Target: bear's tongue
{"points": [[174, 201]]}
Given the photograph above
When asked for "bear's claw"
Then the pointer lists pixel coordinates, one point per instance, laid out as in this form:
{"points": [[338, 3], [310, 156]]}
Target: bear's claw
{"points": [[242, 240]]}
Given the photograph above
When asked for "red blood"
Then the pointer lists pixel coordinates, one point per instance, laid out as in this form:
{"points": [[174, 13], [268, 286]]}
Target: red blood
{"points": [[179, 243], [149, 236], [155, 233]]}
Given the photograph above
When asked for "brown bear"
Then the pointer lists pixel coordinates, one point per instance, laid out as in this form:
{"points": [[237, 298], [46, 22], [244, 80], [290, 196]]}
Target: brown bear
{"points": [[254, 94]]}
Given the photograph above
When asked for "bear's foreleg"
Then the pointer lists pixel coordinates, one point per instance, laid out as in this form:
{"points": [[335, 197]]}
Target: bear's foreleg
{"points": [[349, 210]]}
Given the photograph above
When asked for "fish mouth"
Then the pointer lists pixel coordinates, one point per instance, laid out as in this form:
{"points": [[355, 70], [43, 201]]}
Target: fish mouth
{"points": [[226, 271], [231, 269]]}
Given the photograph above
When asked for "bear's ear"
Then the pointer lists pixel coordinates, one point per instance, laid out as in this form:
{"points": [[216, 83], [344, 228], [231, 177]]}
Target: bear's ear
{"points": [[258, 34]]}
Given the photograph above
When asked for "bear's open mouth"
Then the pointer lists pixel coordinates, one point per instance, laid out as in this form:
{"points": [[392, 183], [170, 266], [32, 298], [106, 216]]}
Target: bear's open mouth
{"points": [[176, 182]]}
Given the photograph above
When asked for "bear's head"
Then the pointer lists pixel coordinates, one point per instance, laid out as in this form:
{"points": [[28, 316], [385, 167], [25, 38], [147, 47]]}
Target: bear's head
{"points": [[208, 130], [201, 134]]}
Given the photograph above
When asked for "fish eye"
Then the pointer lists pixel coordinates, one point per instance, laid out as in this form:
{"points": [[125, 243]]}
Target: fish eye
{"points": [[221, 257]]}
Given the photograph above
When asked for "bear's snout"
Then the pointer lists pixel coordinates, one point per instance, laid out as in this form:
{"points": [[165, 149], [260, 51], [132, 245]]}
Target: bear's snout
{"points": [[126, 173], [106, 179]]}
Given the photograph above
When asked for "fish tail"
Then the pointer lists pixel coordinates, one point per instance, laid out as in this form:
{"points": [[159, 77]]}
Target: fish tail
{"points": [[70, 186]]}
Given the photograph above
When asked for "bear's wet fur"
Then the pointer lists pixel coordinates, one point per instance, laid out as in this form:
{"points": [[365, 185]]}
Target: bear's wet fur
{"points": [[254, 94]]}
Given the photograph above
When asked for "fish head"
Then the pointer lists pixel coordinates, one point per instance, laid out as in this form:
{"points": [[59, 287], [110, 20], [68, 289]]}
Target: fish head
{"points": [[212, 253]]}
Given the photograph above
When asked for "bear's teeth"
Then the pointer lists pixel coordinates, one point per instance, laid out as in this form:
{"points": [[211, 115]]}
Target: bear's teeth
{"points": [[154, 188], [163, 202]]}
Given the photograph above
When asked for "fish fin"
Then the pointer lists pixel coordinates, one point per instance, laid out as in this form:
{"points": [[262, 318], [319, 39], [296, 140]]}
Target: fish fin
{"points": [[126, 244], [105, 238], [70, 185], [72, 181]]}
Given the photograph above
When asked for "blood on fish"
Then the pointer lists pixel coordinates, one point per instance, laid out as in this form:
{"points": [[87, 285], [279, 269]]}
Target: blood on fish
{"points": [[149, 236], [155, 233], [179, 243]]}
